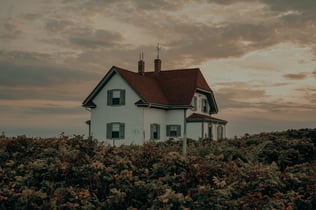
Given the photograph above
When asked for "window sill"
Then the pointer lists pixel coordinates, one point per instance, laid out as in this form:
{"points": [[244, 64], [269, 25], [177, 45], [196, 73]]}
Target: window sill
{"points": [[117, 105]]}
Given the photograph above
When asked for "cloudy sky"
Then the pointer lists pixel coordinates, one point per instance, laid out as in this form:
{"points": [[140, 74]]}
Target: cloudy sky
{"points": [[259, 57]]}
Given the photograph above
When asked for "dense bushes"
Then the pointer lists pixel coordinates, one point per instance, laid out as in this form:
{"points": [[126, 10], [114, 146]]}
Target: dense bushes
{"points": [[265, 171]]}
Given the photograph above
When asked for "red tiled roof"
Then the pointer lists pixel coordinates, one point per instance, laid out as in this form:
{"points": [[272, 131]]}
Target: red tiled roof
{"points": [[166, 88], [169, 87], [146, 87], [201, 117]]}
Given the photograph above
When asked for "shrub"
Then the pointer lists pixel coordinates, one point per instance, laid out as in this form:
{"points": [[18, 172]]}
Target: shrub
{"points": [[269, 170]]}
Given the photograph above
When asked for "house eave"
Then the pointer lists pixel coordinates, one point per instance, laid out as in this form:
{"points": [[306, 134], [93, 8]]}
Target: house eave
{"points": [[89, 105], [205, 118], [161, 106], [223, 122], [98, 88]]}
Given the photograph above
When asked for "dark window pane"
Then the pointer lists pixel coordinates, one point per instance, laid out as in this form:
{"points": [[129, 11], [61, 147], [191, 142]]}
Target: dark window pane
{"points": [[204, 105], [115, 101], [173, 133], [115, 134], [155, 135]]}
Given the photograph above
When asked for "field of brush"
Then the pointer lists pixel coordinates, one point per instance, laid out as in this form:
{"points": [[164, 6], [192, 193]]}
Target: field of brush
{"points": [[264, 171]]}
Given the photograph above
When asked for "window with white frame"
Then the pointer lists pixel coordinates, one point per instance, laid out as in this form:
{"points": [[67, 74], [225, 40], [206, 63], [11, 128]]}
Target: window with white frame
{"points": [[173, 130], [115, 130], [155, 131], [220, 132], [194, 103], [116, 97], [204, 106]]}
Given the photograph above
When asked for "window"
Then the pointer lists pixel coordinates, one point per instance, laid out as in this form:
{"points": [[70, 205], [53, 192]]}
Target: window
{"points": [[194, 103], [210, 132], [155, 131], [116, 97], [173, 130], [220, 132], [204, 106], [115, 130]]}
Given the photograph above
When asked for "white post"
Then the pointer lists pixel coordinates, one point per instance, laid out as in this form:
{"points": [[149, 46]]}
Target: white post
{"points": [[184, 149]]}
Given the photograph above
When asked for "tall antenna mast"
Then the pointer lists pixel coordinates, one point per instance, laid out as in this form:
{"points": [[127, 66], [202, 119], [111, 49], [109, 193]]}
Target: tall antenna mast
{"points": [[158, 49], [141, 56]]}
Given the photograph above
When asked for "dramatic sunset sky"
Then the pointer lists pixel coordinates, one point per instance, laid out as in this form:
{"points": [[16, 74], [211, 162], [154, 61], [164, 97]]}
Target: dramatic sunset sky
{"points": [[259, 57]]}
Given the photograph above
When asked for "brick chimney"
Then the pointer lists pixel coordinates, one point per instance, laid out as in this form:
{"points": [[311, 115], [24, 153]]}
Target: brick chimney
{"points": [[157, 61], [141, 64], [157, 65]]}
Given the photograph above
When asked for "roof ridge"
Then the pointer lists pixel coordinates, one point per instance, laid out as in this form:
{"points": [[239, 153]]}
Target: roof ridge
{"points": [[186, 69], [163, 70]]}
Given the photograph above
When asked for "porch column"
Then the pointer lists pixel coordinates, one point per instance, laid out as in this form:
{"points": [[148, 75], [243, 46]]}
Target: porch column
{"points": [[184, 149]]}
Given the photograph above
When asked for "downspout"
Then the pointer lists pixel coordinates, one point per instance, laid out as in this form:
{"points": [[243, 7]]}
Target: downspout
{"points": [[89, 122], [144, 131], [202, 129], [90, 129], [184, 150]]}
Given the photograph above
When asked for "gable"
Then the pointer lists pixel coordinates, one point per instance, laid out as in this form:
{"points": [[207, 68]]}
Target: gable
{"points": [[88, 102]]}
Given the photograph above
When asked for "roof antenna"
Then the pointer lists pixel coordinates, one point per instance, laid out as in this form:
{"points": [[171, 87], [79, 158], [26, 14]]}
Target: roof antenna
{"points": [[158, 49], [141, 56]]}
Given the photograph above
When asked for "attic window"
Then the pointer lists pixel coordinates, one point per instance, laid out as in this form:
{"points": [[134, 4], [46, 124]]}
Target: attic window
{"points": [[194, 103], [116, 97]]}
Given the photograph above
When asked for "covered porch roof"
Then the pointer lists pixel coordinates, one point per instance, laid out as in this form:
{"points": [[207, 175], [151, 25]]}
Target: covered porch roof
{"points": [[204, 118]]}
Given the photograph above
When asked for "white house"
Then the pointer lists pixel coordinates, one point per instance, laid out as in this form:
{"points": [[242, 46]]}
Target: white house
{"points": [[129, 107]]}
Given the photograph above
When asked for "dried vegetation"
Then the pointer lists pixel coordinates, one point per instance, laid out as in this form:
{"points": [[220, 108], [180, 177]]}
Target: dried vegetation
{"points": [[265, 171]]}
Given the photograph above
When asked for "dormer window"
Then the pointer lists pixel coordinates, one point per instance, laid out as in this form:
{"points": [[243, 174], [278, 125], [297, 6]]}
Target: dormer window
{"points": [[194, 103], [204, 106], [116, 97]]}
